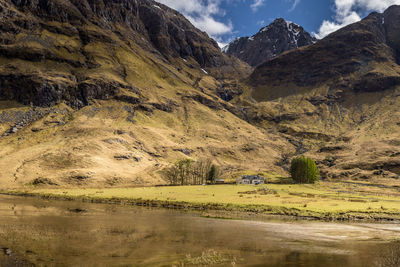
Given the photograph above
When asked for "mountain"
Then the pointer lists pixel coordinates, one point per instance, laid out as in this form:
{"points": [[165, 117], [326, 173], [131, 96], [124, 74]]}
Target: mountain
{"points": [[339, 97], [370, 64], [80, 50], [269, 42], [108, 93]]}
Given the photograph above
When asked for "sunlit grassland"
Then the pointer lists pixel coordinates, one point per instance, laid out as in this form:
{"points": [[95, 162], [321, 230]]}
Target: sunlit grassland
{"points": [[324, 200]]}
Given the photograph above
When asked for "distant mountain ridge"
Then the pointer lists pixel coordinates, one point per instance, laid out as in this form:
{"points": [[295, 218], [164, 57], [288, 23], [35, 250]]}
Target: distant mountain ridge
{"points": [[272, 40], [362, 57]]}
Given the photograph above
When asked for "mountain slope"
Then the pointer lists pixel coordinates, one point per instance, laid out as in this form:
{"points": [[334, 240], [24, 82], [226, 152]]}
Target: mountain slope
{"points": [[81, 47], [338, 98], [269, 42], [108, 93]]}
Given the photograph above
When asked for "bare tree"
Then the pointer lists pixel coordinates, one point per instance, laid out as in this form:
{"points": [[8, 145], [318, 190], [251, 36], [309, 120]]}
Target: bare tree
{"points": [[188, 172]]}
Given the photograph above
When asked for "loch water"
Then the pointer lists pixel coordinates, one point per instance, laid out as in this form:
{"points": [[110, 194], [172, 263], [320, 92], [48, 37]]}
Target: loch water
{"points": [[35, 232]]}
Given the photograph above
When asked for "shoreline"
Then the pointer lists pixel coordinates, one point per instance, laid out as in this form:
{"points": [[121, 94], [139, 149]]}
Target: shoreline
{"points": [[221, 210]]}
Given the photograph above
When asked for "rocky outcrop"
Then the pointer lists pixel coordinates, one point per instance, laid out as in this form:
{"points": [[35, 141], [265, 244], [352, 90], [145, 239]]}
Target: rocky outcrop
{"points": [[269, 42], [20, 119], [46, 90], [169, 32]]}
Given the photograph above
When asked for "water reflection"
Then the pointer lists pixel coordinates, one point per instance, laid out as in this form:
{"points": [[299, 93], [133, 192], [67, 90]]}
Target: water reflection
{"points": [[77, 234]]}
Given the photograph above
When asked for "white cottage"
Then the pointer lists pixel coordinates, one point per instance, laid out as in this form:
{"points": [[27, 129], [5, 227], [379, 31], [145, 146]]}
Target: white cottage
{"points": [[251, 179]]}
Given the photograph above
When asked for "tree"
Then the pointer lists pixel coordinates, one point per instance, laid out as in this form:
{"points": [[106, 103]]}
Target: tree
{"points": [[184, 167], [172, 174], [212, 174], [304, 170], [188, 172], [201, 170]]}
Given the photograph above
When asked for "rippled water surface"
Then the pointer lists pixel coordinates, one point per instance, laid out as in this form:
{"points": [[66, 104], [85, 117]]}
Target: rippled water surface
{"points": [[53, 233]]}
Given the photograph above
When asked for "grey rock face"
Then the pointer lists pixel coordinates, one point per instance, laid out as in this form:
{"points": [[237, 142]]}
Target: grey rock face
{"points": [[269, 42]]}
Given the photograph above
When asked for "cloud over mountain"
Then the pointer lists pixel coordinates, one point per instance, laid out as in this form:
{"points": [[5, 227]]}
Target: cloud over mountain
{"points": [[350, 11], [202, 14]]}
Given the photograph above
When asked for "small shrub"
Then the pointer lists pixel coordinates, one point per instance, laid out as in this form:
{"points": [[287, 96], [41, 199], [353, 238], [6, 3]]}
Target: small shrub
{"points": [[304, 170]]}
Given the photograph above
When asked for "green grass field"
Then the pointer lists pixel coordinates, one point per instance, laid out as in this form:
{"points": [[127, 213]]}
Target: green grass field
{"points": [[325, 200]]}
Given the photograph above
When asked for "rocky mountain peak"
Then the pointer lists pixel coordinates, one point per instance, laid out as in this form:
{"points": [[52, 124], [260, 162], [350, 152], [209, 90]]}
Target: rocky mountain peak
{"points": [[272, 40]]}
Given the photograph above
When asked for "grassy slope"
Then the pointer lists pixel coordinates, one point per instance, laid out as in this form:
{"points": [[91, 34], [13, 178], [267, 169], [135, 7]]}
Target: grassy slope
{"points": [[364, 127], [81, 152], [362, 121], [78, 147]]}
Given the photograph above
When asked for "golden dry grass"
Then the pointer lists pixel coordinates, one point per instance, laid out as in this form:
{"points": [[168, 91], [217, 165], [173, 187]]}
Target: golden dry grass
{"points": [[82, 152]]}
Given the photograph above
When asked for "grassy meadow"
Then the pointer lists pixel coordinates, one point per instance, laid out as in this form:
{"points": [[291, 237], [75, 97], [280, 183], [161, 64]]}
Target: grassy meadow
{"points": [[324, 200]]}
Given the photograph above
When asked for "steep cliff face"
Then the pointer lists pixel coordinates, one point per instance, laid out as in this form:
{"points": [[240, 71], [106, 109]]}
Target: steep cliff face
{"points": [[72, 50], [269, 42]]}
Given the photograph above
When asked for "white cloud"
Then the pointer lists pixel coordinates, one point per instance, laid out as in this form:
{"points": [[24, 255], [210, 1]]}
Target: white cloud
{"points": [[256, 5], [210, 25], [201, 13], [294, 5], [350, 11]]}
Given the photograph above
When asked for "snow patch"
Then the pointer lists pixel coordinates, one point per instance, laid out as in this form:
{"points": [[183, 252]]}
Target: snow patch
{"points": [[184, 59], [291, 23], [266, 28], [251, 38], [293, 34], [288, 24], [157, 6], [225, 48]]}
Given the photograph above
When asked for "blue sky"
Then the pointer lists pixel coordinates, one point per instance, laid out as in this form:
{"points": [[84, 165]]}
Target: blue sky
{"points": [[247, 21], [225, 20]]}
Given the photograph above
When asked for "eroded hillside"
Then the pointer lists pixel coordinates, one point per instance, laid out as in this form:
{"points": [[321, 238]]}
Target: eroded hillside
{"points": [[108, 93]]}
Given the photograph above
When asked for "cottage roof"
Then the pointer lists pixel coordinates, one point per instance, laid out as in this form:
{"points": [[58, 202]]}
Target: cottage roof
{"points": [[252, 177]]}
